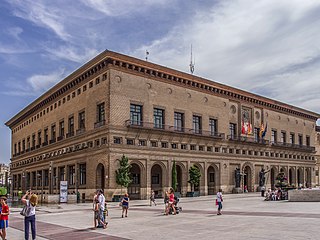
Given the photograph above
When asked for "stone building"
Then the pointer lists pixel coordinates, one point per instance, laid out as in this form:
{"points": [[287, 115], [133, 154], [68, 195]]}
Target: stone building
{"points": [[115, 104], [317, 155]]}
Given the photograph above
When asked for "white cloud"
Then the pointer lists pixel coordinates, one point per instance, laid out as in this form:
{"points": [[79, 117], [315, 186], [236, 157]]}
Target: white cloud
{"points": [[261, 46], [123, 7], [15, 32]]}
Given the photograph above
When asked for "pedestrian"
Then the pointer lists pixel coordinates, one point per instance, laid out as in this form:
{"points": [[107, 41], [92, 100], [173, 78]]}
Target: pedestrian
{"points": [[166, 202], [171, 202], [152, 198], [125, 204], [263, 189], [102, 201], [219, 201], [31, 201], [4, 217]]}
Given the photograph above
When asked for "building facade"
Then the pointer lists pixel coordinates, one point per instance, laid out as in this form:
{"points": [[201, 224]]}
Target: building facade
{"points": [[117, 105]]}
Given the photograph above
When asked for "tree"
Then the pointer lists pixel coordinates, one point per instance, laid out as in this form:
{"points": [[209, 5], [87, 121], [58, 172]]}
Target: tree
{"points": [[174, 176], [123, 176], [194, 175]]}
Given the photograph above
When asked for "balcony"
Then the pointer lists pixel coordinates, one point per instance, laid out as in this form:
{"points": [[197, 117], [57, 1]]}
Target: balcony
{"points": [[100, 124], [52, 140], [60, 138], [44, 144], [80, 131], [168, 128], [293, 146], [247, 139], [70, 134], [38, 146]]}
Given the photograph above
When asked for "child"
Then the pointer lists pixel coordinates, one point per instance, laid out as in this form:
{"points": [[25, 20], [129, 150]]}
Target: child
{"points": [[125, 204], [4, 217]]}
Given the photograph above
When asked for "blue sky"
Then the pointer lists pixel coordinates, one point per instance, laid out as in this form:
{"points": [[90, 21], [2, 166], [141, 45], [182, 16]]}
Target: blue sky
{"points": [[269, 47]]}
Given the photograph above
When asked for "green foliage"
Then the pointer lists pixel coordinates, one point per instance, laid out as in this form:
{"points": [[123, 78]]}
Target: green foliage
{"points": [[174, 176], [123, 177], [194, 176]]}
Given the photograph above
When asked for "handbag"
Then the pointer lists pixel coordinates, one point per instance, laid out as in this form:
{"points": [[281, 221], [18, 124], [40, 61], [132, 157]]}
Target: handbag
{"points": [[25, 211], [217, 202]]}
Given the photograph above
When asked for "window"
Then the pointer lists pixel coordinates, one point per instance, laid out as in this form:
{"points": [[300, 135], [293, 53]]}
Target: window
{"points": [[213, 126], [15, 149], [28, 143], [33, 141], [70, 127], [46, 178], [174, 145], [154, 144], [300, 140], [82, 174], [84, 88], [46, 136], [196, 124], [155, 179], [233, 130], [292, 138], [273, 136], [23, 145], [308, 141], [164, 144], [61, 130], [193, 147], [97, 81], [82, 124], [135, 178], [178, 121], [184, 146], [142, 143], [100, 113], [39, 138], [90, 84], [211, 177], [135, 114], [130, 142], [283, 137], [71, 175], [201, 148], [209, 149], [61, 173], [117, 140], [158, 115], [53, 133], [19, 147], [256, 133]]}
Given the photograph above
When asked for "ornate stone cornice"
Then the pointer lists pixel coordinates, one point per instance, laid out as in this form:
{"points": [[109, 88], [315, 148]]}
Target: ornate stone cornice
{"points": [[156, 72]]}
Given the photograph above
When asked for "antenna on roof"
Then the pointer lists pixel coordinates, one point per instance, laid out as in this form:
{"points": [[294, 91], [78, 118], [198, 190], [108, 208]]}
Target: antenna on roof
{"points": [[192, 64], [147, 54]]}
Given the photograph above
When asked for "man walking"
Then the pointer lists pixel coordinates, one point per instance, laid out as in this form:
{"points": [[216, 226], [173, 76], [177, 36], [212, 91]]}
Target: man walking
{"points": [[102, 201]]}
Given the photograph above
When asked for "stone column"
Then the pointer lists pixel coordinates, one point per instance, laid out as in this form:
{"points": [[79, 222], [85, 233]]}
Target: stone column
{"points": [[205, 187]]}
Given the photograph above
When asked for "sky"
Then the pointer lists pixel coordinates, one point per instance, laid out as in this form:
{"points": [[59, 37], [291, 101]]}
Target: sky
{"points": [[268, 47]]}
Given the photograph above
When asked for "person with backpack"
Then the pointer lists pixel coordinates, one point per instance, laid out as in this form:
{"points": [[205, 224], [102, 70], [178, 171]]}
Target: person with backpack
{"points": [[30, 200]]}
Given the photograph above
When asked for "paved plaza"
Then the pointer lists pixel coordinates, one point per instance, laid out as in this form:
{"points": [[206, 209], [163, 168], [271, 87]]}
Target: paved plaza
{"points": [[245, 216]]}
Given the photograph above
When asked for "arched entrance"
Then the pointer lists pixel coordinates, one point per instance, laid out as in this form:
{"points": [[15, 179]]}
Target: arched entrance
{"points": [[211, 180], [290, 179], [247, 183], [299, 177], [135, 186], [156, 180], [179, 178], [308, 178], [100, 177], [273, 177]]}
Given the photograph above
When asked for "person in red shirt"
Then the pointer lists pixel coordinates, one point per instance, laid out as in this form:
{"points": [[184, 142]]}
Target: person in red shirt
{"points": [[4, 217]]}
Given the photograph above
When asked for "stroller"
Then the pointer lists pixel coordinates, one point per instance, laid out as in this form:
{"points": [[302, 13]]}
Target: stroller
{"points": [[178, 209]]}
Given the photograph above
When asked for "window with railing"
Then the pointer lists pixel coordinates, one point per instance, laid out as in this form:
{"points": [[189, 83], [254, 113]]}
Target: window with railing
{"points": [[274, 136], [61, 173], [61, 130], [82, 123], [213, 126], [300, 139], [46, 136], [197, 124], [308, 141], [19, 147], [233, 130], [71, 174], [46, 178], [292, 136], [39, 138], [33, 141], [283, 137], [23, 145], [28, 143], [135, 114], [53, 133], [70, 127], [100, 113], [158, 118], [178, 121], [256, 133]]}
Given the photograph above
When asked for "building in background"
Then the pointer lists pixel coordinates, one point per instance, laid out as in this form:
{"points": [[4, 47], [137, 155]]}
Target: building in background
{"points": [[4, 179], [317, 145], [115, 104]]}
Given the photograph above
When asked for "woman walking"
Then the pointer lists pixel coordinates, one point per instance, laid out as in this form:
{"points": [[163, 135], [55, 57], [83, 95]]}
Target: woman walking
{"points": [[30, 200], [171, 202], [125, 204], [219, 201]]}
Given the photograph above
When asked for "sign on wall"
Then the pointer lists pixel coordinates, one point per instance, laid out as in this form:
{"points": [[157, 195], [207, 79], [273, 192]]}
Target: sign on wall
{"points": [[63, 191]]}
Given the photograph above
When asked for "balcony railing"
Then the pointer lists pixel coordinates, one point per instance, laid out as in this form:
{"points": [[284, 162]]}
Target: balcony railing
{"points": [[100, 124], [291, 145], [80, 131], [52, 140], [168, 128], [247, 139], [60, 138], [70, 134], [44, 144]]}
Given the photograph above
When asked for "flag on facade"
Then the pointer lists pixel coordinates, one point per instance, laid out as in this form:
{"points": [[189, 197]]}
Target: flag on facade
{"points": [[264, 131]]}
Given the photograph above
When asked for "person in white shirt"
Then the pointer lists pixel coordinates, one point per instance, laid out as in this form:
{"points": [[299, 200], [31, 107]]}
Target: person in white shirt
{"points": [[30, 200], [219, 201]]}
